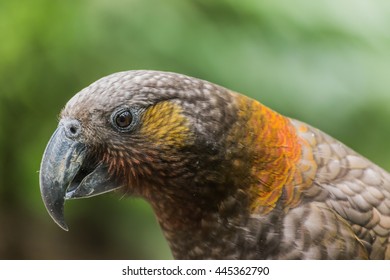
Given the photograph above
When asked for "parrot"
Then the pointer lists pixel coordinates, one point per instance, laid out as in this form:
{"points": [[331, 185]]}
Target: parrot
{"points": [[226, 176]]}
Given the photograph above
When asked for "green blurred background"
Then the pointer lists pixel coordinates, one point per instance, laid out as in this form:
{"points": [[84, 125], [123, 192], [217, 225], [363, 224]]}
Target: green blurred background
{"points": [[325, 62]]}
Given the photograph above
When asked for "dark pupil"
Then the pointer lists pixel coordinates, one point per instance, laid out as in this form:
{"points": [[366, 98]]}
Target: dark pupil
{"points": [[124, 119]]}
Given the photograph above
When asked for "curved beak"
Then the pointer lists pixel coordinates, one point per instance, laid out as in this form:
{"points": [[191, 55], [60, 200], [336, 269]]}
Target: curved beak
{"points": [[67, 173]]}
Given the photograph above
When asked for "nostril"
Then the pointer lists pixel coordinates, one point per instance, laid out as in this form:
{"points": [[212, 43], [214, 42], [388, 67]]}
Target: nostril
{"points": [[72, 128]]}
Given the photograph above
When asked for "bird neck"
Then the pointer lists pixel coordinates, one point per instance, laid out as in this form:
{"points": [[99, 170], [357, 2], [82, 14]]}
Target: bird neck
{"points": [[196, 230]]}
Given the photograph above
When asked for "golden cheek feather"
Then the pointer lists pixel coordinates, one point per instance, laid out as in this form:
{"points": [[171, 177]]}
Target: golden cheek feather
{"points": [[165, 125]]}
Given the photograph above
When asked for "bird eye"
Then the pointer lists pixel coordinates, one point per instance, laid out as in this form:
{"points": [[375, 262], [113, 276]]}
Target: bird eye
{"points": [[123, 120]]}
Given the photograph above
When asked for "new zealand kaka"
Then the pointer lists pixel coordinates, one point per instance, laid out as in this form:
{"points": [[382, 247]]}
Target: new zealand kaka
{"points": [[227, 177]]}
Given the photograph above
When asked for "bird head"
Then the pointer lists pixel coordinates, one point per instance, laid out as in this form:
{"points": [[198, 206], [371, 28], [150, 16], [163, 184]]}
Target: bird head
{"points": [[162, 136]]}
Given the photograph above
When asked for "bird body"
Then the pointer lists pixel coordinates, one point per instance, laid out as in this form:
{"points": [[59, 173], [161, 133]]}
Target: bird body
{"points": [[227, 177]]}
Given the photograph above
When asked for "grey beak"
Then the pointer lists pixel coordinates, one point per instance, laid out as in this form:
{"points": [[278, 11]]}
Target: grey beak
{"points": [[66, 174], [61, 162]]}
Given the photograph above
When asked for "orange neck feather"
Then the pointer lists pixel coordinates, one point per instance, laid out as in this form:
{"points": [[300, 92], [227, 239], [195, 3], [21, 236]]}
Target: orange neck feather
{"points": [[276, 152]]}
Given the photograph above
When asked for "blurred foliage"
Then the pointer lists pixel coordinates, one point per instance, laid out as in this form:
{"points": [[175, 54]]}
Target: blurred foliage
{"points": [[324, 62]]}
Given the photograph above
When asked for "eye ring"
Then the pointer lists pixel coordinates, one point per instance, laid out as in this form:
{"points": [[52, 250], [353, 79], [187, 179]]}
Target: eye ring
{"points": [[124, 119]]}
